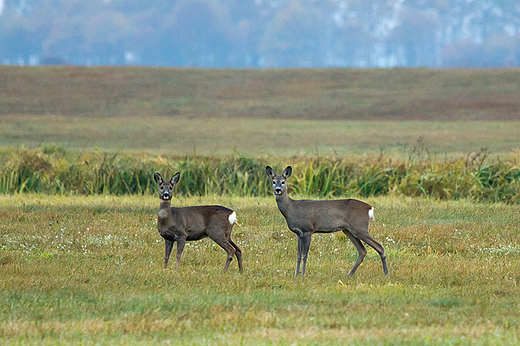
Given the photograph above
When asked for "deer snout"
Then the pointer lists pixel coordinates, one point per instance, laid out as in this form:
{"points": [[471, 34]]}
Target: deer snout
{"points": [[278, 190], [166, 195]]}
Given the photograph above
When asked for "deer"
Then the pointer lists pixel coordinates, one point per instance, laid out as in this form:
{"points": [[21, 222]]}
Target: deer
{"points": [[306, 217], [182, 224]]}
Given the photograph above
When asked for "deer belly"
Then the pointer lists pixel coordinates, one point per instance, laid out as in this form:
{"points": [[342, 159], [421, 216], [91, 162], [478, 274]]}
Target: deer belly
{"points": [[298, 226], [324, 226], [196, 234]]}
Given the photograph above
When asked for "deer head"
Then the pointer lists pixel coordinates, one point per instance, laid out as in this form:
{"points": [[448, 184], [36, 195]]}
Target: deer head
{"points": [[166, 187], [279, 185]]}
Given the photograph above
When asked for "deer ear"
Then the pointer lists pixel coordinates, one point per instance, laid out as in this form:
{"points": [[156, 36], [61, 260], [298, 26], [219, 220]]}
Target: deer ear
{"points": [[157, 177], [287, 172], [269, 171], [175, 178]]}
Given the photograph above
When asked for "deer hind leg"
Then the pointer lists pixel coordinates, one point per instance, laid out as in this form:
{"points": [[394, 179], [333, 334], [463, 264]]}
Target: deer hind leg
{"points": [[360, 248], [378, 247], [224, 243], [238, 254]]}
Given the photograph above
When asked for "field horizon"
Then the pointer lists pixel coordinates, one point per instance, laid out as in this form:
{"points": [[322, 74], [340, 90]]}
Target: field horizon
{"points": [[261, 112]]}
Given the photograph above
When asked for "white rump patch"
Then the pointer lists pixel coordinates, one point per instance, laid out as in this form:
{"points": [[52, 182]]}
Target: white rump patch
{"points": [[371, 213], [232, 218]]}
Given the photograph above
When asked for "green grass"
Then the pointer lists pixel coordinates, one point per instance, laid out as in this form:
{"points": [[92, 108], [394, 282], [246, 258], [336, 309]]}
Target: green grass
{"points": [[79, 265], [259, 137], [85, 270], [51, 169]]}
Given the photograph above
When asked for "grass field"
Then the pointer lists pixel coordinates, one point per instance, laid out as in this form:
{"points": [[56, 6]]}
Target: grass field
{"points": [[89, 270], [260, 137], [79, 265], [312, 94], [256, 112]]}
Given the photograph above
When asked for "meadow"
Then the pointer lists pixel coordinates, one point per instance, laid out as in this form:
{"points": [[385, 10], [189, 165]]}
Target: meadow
{"points": [[435, 152], [88, 270], [279, 113]]}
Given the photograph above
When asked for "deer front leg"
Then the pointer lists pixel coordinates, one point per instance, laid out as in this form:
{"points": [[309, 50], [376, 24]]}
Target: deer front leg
{"points": [[167, 251], [180, 247], [298, 255], [305, 250]]}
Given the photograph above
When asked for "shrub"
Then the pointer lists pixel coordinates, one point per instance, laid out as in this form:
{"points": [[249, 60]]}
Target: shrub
{"points": [[52, 170]]}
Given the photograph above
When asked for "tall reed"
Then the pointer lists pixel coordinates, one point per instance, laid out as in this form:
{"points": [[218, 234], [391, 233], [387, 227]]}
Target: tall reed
{"points": [[51, 170]]}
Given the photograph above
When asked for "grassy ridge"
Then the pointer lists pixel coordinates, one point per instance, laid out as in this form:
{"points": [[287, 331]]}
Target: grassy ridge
{"points": [[88, 271], [314, 94], [50, 170], [258, 112]]}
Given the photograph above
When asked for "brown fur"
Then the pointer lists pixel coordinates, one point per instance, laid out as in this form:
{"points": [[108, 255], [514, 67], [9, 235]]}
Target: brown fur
{"points": [[306, 217], [193, 223]]}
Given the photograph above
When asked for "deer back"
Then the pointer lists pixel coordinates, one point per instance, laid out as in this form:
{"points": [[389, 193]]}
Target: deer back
{"points": [[328, 216], [195, 221]]}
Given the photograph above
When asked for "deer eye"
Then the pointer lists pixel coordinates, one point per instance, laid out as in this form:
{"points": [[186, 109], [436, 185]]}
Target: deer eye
{"points": [[170, 187], [283, 182]]}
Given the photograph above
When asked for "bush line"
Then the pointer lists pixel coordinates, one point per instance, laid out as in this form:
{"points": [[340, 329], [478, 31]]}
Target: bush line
{"points": [[51, 170]]}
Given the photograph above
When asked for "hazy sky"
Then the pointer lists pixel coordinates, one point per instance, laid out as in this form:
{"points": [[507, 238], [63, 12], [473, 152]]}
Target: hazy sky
{"points": [[261, 34]]}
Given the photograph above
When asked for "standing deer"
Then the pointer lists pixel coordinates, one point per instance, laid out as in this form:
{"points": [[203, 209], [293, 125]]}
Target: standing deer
{"points": [[306, 217], [194, 223]]}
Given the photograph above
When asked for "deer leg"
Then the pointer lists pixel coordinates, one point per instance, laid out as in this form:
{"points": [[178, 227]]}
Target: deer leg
{"points": [[299, 254], [167, 251], [306, 245], [180, 247], [230, 249], [378, 247], [238, 253], [360, 248]]}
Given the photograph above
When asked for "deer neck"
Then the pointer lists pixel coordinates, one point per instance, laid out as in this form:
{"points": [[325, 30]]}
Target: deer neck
{"points": [[165, 209], [284, 204]]}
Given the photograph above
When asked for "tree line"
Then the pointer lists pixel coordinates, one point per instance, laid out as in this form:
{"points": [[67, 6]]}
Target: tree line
{"points": [[261, 33]]}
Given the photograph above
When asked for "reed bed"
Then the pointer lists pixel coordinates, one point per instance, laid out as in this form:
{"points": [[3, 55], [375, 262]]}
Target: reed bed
{"points": [[52, 170]]}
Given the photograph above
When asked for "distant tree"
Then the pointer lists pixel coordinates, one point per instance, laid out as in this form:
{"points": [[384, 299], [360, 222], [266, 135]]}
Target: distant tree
{"points": [[354, 43], [246, 25], [64, 40], [12, 38], [21, 35], [461, 54], [195, 34], [270, 33], [107, 34], [296, 36], [416, 34], [138, 7], [501, 50]]}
